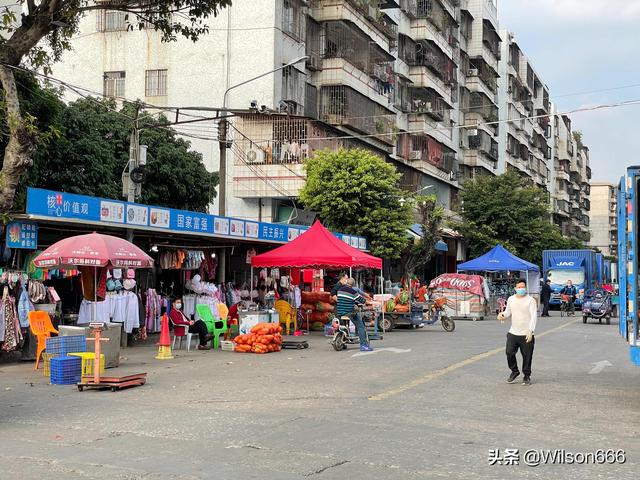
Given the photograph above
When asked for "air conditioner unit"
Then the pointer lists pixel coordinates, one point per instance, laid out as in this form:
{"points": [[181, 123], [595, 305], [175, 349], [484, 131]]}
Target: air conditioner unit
{"points": [[473, 72], [314, 62], [415, 155], [472, 132], [255, 155]]}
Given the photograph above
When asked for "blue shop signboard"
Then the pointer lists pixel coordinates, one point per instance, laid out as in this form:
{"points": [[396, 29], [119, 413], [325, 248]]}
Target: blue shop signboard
{"points": [[22, 235], [48, 203]]}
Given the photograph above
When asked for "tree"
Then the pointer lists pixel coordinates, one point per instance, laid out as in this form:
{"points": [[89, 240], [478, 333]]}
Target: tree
{"points": [[510, 210], [44, 33], [357, 192], [92, 149], [420, 252]]}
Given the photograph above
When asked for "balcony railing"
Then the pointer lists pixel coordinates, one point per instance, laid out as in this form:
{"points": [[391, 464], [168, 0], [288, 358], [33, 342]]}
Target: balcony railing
{"points": [[426, 101], [485, 143], [342, 105], [428, 55]]}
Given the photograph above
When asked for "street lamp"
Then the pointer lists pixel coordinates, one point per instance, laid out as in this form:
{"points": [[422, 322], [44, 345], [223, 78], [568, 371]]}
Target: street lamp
{"points": [[424, 188], [222, 134]]}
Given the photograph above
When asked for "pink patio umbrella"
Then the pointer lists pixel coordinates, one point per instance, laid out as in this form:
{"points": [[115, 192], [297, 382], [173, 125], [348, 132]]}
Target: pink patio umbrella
{"points": [[93, 250]]}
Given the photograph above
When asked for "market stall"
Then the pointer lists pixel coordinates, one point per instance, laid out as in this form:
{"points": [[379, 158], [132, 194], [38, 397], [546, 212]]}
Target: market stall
{"points": [[98, 257], [466, 295], [500, 261], [316, 249]]}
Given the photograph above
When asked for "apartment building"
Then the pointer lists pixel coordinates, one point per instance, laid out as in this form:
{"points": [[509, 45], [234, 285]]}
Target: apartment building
{"points": [[570, 178], [352, 84], [603, 220], [419, 82], [525, 140], [478, 98]]}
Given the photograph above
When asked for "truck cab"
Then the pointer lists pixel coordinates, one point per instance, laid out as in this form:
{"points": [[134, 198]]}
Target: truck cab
{"points": [[560, 266]]}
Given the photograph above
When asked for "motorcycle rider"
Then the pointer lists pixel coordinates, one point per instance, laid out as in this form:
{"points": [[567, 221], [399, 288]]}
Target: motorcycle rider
{"points": [[571, 291], [348, 298]]}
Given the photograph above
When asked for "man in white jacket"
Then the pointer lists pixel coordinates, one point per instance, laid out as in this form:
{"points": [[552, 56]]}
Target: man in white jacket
{"points": [[523, 311]]}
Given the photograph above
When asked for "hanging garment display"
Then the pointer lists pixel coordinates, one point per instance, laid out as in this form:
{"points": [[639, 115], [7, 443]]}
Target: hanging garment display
{"points": [[90, 282], [24, 307], [12, 332]]}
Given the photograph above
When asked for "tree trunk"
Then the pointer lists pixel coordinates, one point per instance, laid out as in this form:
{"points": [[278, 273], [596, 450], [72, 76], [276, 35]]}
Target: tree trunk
{"points": [[20, 147]]}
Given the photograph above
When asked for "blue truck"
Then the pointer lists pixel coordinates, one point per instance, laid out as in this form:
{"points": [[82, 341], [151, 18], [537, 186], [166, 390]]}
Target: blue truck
{"points": [[579, 266], [628, 210]]}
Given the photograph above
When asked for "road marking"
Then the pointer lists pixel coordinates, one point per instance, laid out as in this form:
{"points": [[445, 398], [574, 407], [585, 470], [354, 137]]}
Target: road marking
{"points": [[378, 350], [600, 366], [452, 368]]}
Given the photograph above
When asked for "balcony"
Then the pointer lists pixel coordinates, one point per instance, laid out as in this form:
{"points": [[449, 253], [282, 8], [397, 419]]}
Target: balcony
{"points": [[425, 152], [427, 101], [482, 104], [343, 106], [366, 13], [562, 174], [427, 54], [482, 78], [484, 143]]}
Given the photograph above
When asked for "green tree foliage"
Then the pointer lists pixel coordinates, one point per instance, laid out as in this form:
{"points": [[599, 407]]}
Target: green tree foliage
{"points": [[430, 216], [39, 32], [89, 150], [508, 209], [356, 192]]}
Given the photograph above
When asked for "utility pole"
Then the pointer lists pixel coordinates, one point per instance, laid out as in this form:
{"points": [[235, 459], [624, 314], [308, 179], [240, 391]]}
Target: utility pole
{"points": [[133, 177], [222, 174]]}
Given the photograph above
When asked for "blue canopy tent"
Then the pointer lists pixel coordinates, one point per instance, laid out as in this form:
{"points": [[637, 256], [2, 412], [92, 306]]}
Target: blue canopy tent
{"points": [[499, 259]]}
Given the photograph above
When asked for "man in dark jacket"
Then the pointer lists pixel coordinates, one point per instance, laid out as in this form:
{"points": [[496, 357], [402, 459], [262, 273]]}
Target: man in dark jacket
{"points": [[545, 297], [571, 291]]}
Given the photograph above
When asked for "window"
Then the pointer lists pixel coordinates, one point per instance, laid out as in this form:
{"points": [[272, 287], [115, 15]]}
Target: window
{"points": [[293, 89], [111, 21], [293, 18], [155, 83], [113, 84]]}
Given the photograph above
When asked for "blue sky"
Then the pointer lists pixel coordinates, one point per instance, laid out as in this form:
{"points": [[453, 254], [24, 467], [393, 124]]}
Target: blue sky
{"points": [[581, 46]]}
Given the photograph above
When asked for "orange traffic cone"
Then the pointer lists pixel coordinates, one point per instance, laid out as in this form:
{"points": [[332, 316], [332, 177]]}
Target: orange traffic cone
{"points": [[164, 345]]}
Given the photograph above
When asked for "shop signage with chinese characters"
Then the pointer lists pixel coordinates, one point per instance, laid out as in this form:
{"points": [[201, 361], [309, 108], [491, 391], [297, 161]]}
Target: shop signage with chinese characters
{"points": [[22, 235], [59, 205]]}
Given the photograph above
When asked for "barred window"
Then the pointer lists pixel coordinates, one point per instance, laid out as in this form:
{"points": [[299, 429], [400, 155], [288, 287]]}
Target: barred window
{"points": [[155, 83], [111, 21], [113, 85], [293, 18]]}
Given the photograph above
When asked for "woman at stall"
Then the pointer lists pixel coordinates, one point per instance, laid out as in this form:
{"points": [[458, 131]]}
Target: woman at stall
{"points": [[180, 322]]}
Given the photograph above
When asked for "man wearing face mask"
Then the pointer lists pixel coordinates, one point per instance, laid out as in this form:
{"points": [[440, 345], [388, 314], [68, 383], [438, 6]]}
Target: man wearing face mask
{"points": [[523, 311], [180, 322]]}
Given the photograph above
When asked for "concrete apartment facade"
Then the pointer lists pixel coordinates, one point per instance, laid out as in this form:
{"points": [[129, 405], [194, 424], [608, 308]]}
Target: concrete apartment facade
{"points": [[419, 82], [603, 220]]}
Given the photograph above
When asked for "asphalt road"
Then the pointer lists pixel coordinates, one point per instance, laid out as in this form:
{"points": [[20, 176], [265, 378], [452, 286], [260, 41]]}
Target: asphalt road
{"points": [[431, 407]]}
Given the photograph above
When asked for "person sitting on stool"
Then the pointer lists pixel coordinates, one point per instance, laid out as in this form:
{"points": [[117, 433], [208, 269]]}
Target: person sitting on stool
{"points": [[180, 322]]}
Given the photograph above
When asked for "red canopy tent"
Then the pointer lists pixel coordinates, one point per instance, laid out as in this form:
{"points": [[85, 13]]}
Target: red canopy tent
{"points": [[317, 248]]}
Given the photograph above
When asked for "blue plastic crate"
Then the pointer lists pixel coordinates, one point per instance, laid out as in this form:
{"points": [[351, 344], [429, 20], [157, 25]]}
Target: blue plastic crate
{"points": [[65, 370], [67, 344]]}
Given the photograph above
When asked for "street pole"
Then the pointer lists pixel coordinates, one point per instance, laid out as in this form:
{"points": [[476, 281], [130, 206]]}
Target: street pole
{"points": [[134, 162], [223, 144]]}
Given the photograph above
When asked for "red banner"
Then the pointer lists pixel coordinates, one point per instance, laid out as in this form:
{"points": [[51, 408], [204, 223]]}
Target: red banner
{"points": [[458, 281]]}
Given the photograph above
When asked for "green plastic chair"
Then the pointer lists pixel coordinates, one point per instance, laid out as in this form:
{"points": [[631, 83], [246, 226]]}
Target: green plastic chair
{"points": [[215, 327]]}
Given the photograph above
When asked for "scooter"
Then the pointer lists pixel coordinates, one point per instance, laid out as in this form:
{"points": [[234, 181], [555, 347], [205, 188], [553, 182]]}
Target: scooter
{"points": [[342, 334], [434, 312], [597, 304]]}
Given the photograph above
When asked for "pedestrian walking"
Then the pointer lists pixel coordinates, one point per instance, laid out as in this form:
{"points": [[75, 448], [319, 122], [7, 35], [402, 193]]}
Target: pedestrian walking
{"points": [[545, 297], [522, 310]]}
